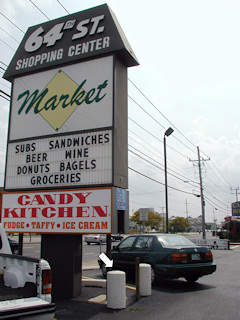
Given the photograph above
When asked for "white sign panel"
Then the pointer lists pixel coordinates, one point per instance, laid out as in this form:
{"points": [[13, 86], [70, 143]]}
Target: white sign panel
{"points": [[74, 98], [220, 244], [71, 211], [60, 161], [143, 214]]}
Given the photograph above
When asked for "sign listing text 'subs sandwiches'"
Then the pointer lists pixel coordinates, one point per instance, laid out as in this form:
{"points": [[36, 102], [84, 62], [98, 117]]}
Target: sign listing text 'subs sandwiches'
{"points": [[63, 161]]}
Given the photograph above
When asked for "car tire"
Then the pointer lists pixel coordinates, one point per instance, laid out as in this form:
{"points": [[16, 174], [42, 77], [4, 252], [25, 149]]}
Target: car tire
{"points": [[153, 275], [104, 270], [15, 251], [88, 243], [191, 279]]}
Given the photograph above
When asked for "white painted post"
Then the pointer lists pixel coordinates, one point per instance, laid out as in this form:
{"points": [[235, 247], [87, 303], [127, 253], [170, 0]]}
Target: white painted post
{"points": [[145, 279], [116, 289]]}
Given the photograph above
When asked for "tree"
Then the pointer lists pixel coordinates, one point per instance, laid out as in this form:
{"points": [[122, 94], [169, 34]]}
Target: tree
{"points": [[154, 219], [179, 224]]}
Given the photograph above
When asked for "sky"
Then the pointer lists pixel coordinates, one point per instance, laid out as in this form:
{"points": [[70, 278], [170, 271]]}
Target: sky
{"points": [[188, 78]]}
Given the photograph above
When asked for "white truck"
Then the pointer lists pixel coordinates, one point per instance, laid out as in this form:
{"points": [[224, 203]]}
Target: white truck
{"points": [[25, 285]]}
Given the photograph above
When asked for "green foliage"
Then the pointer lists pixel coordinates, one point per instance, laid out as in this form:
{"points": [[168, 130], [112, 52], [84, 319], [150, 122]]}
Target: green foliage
{"points": [[154, 219], [179, 224]]}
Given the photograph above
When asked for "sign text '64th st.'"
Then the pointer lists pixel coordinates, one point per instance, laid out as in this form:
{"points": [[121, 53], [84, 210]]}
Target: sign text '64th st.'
{"points": [[85, 211]]}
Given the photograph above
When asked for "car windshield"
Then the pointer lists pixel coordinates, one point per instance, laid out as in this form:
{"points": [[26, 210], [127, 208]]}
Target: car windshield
{"points": [[174, 240]]}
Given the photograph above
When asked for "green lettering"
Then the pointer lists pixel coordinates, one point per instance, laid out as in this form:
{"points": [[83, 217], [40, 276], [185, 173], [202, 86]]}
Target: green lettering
{"points": [[77, 96], [51, 102], [100, 87], [34, 100], [89, 95], [64, 97]]}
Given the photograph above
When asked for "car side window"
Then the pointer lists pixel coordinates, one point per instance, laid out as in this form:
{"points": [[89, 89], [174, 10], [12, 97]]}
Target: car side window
{"points": [[144, 243], [127, 243]]}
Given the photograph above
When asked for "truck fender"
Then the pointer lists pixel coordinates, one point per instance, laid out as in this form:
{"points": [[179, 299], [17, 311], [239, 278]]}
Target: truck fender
{"points": [[4, 243]]}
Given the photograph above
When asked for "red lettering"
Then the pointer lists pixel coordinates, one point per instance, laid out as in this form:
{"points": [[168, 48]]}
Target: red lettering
{"points": [[100, 211], [14, 213], [104, 225], [67, 210], [81, 197], [50, 199], [48, 212], [33, 212], [65, 198], [82, 212], [37, 199], [23, 200]]}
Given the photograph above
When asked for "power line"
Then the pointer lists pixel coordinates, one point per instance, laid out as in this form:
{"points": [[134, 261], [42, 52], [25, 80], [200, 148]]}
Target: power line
{"points": [[12, 22], [158, 181], [9, 35], [220, 174], [63, 6], [183, 155], [155, 149], [3, 63], [160, 165], [163, 115], [7, 45], [39, 9]]}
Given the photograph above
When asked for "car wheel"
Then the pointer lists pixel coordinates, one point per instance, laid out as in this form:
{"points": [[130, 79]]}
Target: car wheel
{"points": [[153, 275], [104, 270], [191, 279], [15, 251], [88, 243]]}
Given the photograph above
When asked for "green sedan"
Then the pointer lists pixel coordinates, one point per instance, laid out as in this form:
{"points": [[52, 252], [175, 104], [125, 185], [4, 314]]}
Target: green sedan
{"points": [[170, 256]]}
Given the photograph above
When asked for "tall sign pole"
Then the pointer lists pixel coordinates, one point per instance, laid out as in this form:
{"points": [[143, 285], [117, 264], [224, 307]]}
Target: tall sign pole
{"points": [[67, 141]]}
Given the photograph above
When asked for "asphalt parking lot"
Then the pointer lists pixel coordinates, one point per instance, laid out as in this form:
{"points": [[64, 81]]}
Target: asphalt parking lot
{"points": [[170, 295]]}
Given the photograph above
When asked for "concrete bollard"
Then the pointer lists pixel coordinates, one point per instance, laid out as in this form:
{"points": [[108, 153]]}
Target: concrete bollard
{"points": [[116, 289], [145, 279]]}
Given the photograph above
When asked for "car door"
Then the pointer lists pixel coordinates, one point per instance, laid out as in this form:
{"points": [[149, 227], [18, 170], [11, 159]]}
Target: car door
{"points": [[122, 254], [142, 248]]}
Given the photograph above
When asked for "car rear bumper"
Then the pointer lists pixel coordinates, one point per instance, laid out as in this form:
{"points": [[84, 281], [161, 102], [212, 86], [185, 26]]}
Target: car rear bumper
{"points": [[177, 271], [92, 241]]}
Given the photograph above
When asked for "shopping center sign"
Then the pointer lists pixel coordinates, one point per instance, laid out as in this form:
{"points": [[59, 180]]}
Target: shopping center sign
{"points": [[70, 39]]}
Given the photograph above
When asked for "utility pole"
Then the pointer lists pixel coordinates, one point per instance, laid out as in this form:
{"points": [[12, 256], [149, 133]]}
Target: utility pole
{"points": [[186, 209], [201, 192], [236, 190]]}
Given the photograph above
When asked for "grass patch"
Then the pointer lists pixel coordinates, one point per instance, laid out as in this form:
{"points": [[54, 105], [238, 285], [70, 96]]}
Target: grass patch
{"points": [[135, 309]]}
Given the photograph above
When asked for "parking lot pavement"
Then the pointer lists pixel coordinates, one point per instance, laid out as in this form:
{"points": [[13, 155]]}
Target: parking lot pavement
{"points": [[92, 305]]}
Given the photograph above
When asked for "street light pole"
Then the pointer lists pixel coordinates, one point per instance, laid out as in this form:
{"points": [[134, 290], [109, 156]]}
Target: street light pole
{"points": [[166, 134]]}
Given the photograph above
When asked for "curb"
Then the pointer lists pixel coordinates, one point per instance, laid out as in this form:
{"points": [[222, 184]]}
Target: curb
{"points": [[90, 267], [100, 283]]}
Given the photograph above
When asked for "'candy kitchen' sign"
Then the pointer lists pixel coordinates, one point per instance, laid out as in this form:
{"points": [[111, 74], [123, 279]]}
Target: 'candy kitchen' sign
{"points": [[70, 211]]}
